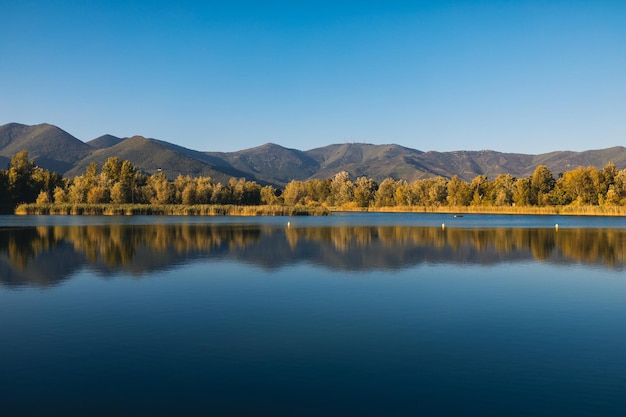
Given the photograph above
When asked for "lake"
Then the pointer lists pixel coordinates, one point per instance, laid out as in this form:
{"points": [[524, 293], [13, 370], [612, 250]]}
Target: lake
{"points": [[350, 314]]}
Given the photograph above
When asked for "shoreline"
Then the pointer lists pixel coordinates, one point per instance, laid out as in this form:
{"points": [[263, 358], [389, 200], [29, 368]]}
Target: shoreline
{"points": [[300, 210], [166, 210], [615, 211]]}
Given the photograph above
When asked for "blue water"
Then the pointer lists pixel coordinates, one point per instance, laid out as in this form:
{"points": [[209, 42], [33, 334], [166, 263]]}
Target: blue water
{"points": [[337, 219], [429, 328]]}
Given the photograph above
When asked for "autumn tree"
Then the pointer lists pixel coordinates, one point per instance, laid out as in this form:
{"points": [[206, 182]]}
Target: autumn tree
{"points": [[606, 181], [385, 195], [438, 193], [5, 197], [98, 194], [502, 190], [318, 191], [294, 193], [24, 181], [342, 188], [522, 192], [244, 192], [180, 184], [60, 195], [364, 191], [581, 185], [160, 190], [420, 192], [459, 192], [269, 195], [189, 195], [220, 194], [111, 170], [204, 189], [20, 182], [480, 189], [541, 185], [402, 195]]}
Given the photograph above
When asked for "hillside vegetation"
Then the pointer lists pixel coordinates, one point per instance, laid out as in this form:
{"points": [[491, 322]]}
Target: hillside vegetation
{"points": [[271, 164]]}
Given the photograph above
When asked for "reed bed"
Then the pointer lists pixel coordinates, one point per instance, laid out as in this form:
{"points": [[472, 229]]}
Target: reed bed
{"points": [[167, 210], [298, 210], [571, 210]]}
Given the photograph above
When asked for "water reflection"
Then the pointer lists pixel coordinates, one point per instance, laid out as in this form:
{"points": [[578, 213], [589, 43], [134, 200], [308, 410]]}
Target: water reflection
{"points": [[46, 255]]}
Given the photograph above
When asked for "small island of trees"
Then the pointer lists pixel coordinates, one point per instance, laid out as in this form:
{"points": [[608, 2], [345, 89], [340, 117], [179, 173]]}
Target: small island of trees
{"points": [[119, 188]]}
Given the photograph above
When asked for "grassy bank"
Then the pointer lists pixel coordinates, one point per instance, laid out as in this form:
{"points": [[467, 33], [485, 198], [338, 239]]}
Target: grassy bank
{"points": [[167, 210], [299, 210], [543, 210]]}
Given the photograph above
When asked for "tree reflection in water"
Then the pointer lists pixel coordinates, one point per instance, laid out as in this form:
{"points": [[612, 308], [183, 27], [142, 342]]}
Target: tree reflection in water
{"points": [[44, 256]]}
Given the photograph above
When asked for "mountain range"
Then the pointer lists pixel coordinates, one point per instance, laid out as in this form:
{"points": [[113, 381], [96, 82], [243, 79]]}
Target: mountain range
{"points": [[53, 148]]}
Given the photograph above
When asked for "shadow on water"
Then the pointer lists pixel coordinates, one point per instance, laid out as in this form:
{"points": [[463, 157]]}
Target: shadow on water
{"points": [[47, 255]]}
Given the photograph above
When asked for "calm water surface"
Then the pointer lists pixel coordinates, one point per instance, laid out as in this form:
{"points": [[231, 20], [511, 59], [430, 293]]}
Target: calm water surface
{"points": [[346, 315]]}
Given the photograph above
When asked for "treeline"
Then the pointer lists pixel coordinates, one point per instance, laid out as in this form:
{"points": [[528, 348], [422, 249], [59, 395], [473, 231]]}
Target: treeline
{"points": [[23, 181], [583, 186], [119, 182]]}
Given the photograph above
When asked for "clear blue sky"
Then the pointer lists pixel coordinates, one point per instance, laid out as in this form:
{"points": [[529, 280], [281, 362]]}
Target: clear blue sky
{"points": [[511, 76]]}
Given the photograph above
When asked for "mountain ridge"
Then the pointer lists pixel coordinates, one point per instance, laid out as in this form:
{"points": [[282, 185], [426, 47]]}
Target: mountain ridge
{"points": [[57, 150]]}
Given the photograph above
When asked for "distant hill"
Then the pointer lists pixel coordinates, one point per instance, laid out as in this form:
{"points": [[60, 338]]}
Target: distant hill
{"points": [[53, 148], [104, 141], [49, 146], [151, 155], [272, 163]]}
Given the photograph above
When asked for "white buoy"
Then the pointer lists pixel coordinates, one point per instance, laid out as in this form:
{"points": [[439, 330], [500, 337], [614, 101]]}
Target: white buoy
{"points": [[288, 224], [556, 226], [443, 226]]}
